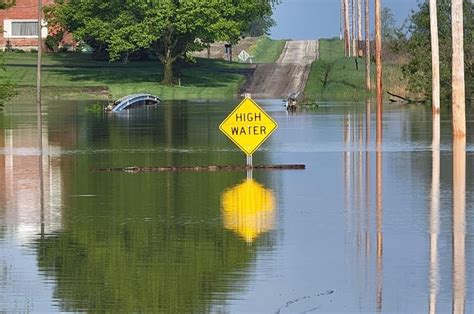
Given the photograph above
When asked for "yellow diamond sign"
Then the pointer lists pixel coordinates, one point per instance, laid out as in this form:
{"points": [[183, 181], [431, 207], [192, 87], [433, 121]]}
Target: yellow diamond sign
{"points": [[248, 126]]}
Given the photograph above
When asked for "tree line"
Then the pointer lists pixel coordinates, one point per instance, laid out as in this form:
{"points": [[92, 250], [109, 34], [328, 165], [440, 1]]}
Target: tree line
{"points": [[442, 29], [414, 39]]}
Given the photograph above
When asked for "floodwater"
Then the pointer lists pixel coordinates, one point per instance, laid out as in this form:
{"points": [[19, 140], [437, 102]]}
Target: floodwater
{"points": [[367, 227]]}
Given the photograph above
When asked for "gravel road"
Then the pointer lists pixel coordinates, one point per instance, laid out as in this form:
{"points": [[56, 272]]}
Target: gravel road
{"points": [[289, 74]]}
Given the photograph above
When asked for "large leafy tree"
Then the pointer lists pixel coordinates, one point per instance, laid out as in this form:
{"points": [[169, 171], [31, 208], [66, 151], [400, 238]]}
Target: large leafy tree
{"points": [[415, 42], [171, 28]]}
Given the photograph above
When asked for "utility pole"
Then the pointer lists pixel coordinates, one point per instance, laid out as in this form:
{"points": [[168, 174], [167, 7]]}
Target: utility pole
{"points": [[38, 77], [359, 24], [459, 97], [368, 83], [354, 47], [435, 56], [341, 17], [378, 59], [346, 29]]}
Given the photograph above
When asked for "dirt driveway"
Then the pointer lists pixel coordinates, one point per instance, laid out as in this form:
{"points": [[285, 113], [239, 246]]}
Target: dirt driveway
{"points": [[289, 74]]}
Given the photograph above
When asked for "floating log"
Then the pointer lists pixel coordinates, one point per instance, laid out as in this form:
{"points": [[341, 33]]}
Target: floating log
{"points": [[136, 169], [404, 99]]}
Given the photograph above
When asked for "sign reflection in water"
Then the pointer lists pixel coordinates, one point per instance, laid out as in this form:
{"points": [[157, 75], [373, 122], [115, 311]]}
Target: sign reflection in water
{"points": [[248, 209]]}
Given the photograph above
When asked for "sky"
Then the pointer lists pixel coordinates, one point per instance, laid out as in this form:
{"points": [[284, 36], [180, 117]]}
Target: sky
{"points": [[312, 19]]}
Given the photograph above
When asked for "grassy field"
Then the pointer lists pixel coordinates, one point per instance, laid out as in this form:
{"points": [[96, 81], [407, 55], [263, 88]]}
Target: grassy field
{"points": [[267, 50], [75, 75], [335, 77], [78, 76]]}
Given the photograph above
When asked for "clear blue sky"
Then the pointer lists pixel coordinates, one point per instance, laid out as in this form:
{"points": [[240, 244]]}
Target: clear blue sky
{"points": [[310, 19]]}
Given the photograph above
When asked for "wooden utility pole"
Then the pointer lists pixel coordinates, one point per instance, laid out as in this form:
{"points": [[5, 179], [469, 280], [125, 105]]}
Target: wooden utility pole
{"points": [[347, 44], [459, 159], [38, 77], [378, 58], [435, 56], [353, 36], [341, 17], [368, 83], [459, 98], [359, 24]]}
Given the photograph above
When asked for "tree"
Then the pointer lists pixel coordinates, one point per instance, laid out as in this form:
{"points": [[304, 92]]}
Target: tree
{"points": [[171, 28], [261, 26], [414, 41], [262, 23], [5, 4], [389, 24]]}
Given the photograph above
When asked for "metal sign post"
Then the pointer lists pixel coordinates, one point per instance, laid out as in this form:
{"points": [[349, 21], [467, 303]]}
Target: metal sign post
{"points": [[249, 167], [249, 160]]}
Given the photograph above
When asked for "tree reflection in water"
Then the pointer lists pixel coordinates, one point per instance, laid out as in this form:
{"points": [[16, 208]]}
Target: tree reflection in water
{"points": [[145, 243]]}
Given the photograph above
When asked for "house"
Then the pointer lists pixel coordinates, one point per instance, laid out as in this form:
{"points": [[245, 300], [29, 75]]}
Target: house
{"points": [[20, 25]]}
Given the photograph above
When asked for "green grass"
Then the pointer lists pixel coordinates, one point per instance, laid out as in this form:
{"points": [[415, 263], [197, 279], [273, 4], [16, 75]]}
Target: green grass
{"points": [[335, 77], [395, 82], [267, 50], [78, 73]]}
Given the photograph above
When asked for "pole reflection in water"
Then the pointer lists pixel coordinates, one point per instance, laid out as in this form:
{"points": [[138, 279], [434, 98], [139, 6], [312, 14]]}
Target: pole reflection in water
{"points": [[367, 176], [459, 224], [367, 189], [248, 209], [359, 182], [434, 214], [41, 186], [347, 160], [358, 195], [379, 209]]}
